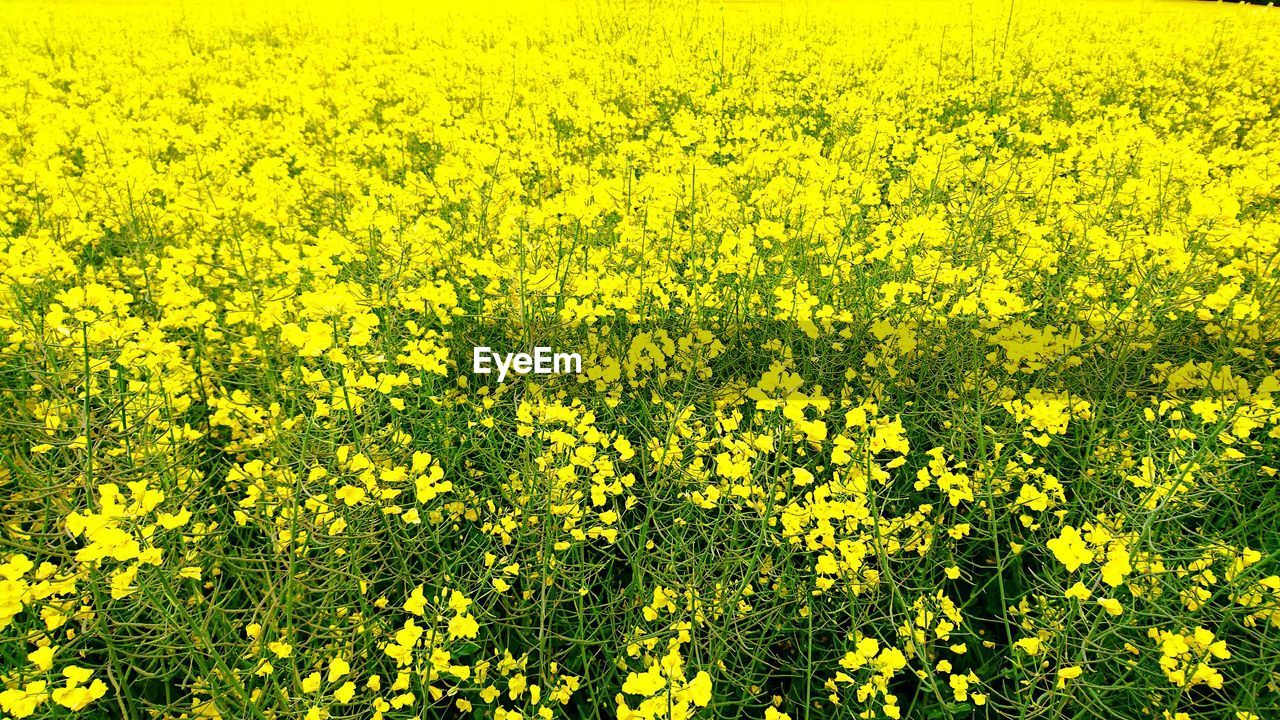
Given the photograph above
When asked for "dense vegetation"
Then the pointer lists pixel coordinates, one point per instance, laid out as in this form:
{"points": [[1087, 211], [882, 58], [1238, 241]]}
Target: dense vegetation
{"points": [[929, 361]]}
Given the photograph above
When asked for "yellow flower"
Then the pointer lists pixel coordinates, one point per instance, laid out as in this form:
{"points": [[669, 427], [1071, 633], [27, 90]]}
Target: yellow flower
{"points": [[350, 495], [1111, 605], [1028, 645], [42, 658], [417, 602], [1117, 567], [645, 683], [23, 702], [246, 254], [1070, 549], [1079, 592], [463, 626], [1068, 673], [345, 693], [699, 689], [76, 697]]}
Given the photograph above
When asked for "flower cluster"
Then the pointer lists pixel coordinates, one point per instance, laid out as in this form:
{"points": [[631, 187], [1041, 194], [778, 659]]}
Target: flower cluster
{"points": [[929, 360]]}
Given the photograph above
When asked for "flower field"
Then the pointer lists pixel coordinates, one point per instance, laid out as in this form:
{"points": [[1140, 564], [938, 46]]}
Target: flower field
{"points": [[929, 360]]}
